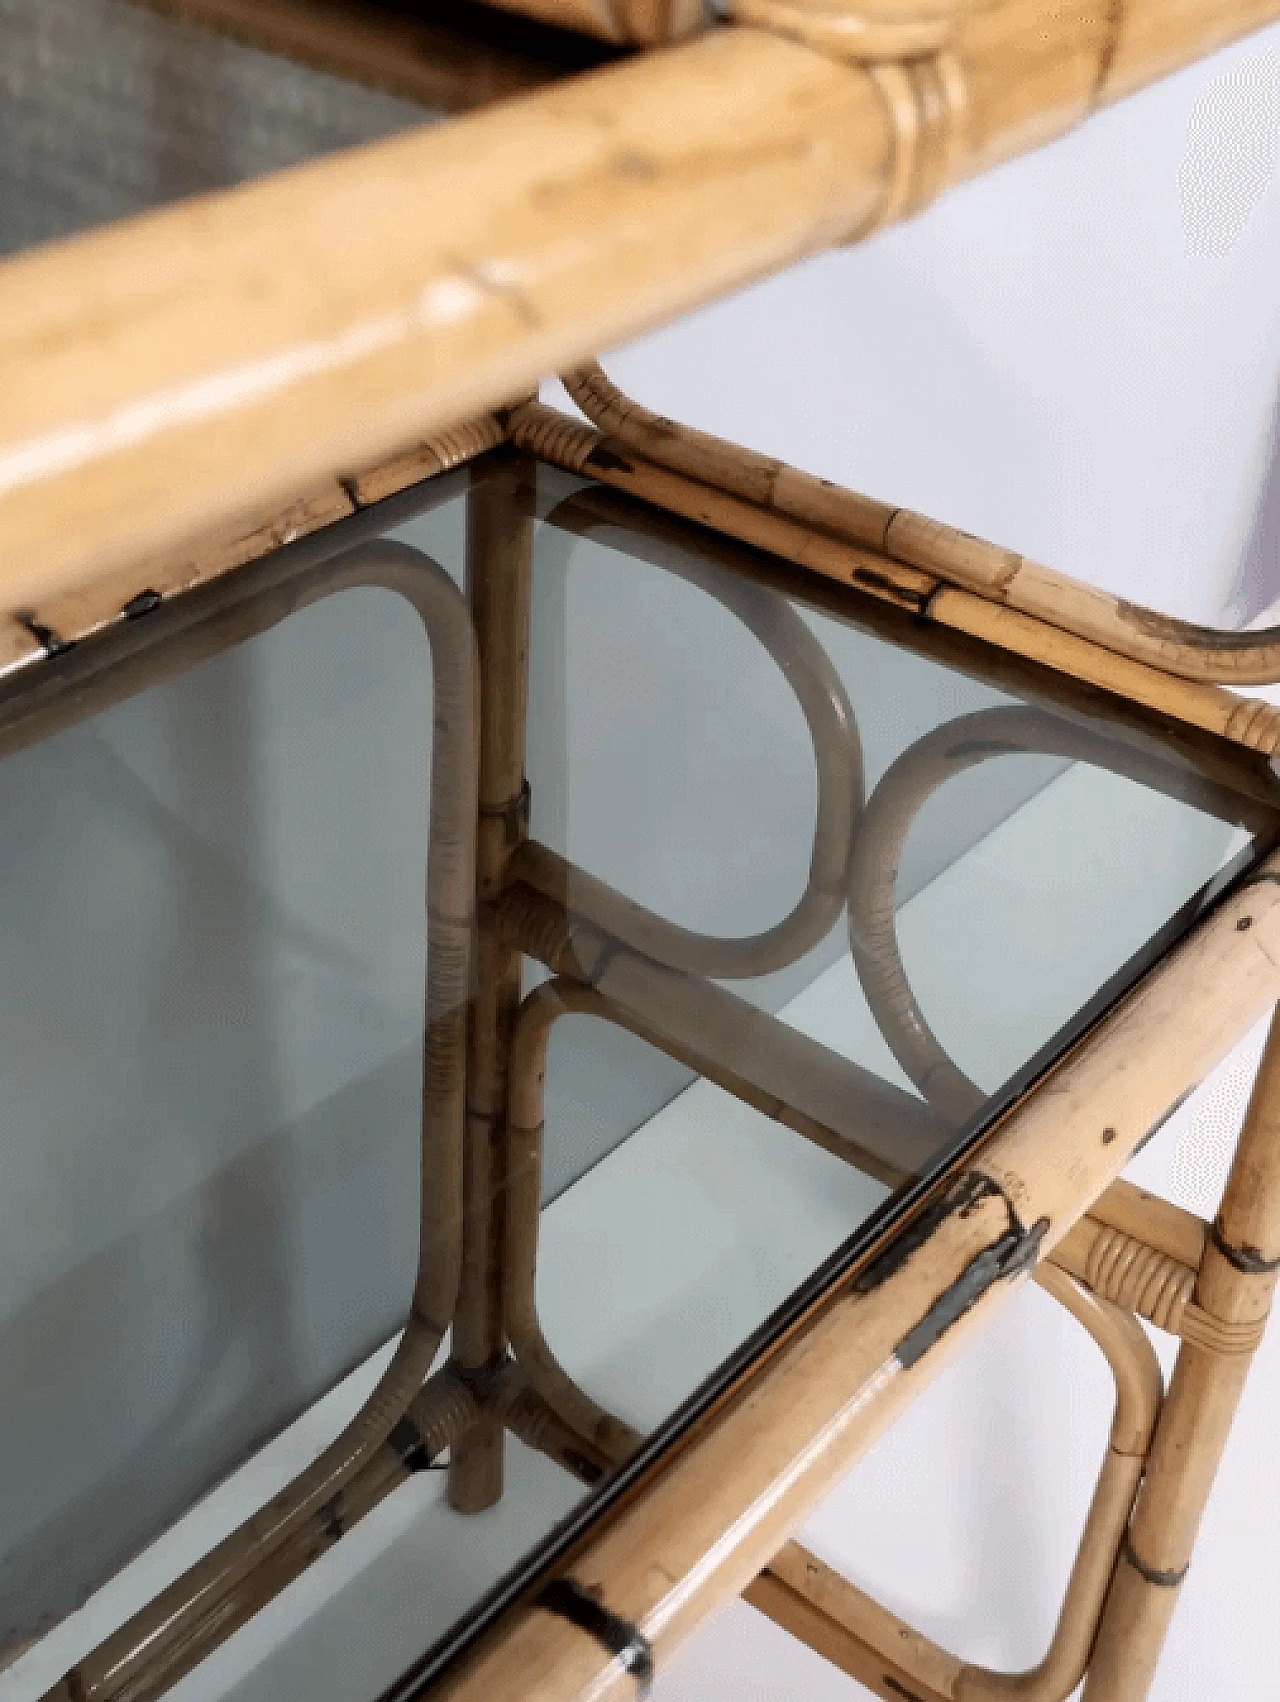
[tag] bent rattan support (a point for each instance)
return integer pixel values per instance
(900, 794)
(499, 555)
(997, 575)
(585, 450)
(848, 1627)
(828, 714)
(175, 1630)
(882, 1130)
(531, 1034)
(538, 1014)
(611, 1436)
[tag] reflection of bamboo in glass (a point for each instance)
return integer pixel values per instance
(896, 802)
(880, 1129)
(838, 764)
(744, 1051)
(169, 1635)
(901, 793)
(499, 573)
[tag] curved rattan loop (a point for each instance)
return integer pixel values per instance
(1139, 1394)
(838, 756)
(901, 793)
(160, 1638)
(523, 1208)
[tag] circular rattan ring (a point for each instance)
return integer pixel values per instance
(893, 806)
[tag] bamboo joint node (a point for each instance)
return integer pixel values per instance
(904, 49)
(1255, 723)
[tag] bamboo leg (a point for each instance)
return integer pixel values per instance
(850, 1629)
(499, 570)
(1236, 1279)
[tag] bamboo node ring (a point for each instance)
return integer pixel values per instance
(905, 51)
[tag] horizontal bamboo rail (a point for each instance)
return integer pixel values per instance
(174, 373)
(584, 449)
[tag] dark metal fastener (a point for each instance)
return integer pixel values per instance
(624, 1641)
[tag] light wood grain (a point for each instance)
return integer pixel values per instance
(808, 543)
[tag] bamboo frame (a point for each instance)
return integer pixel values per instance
(499, 579)
(583, 450)
(619, 962)
(723, 1506)
(411, 56)
(946, 557)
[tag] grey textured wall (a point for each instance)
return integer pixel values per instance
(107, 109)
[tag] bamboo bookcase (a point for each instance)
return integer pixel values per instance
(729, 153)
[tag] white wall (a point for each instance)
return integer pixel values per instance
(1078, 356)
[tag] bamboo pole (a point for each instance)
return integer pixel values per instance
(725, 1504)
(499, 584)
(557, 224)
(1203, 769)
(997, 575)
(1235, 1285)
